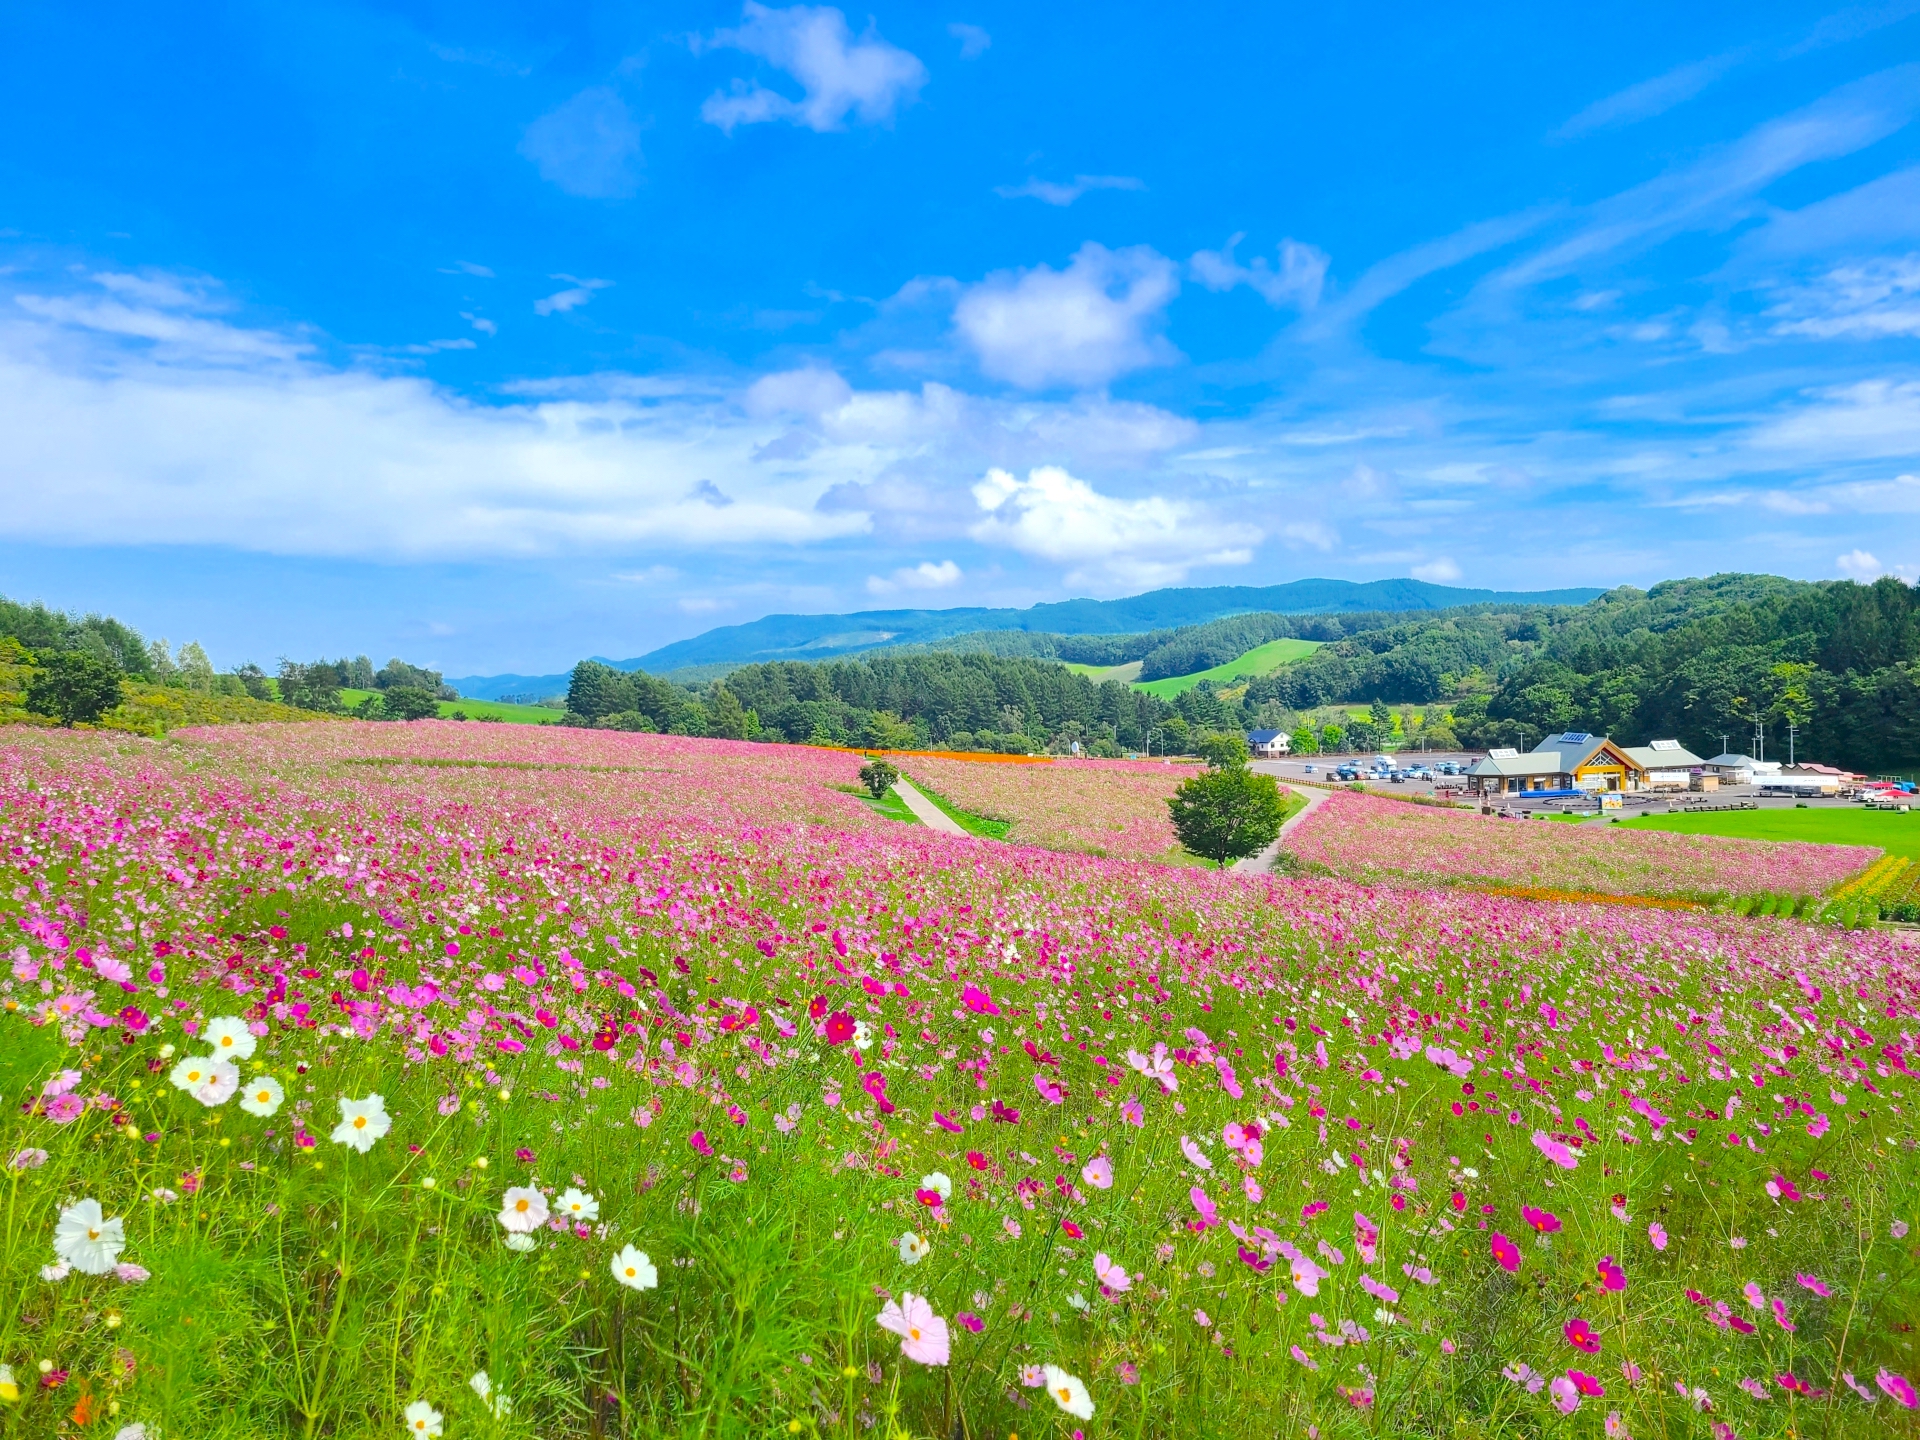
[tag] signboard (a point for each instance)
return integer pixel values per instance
(1611, 800)
(1589, 782)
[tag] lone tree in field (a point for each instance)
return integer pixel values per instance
(74, 686)
(409, 702)
(878, 776)
(1227, 814)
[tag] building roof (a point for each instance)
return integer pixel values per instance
(1514, 764)
(1662, 755)
(1731, 761)
(1261, 737)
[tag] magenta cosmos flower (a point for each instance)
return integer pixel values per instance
(1544, 1222)
(1612, 1277)
(1580, 1335)
(1506, 1252)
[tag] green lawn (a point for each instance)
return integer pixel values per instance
(968, 821)
(474, 709)
(1893, 832)
(1261, 660)
(1126, 674)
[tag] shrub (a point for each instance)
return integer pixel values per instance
(879, 777)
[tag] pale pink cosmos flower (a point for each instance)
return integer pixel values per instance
(1816, 1285)
(1098, 1172)
(1565, 1394)
(1110, 1275)
(1556, 1152)
(1657, 1234)
(1756, 1297)
(923, 1334)
(1194, 1154)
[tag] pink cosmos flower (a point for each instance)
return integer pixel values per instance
(1544, 1222)
(1780, 1315)
(1580, 1335)
(1657, 1235)
(1109, 1274)
(1756, 1297)
(698, 1140)
(1616, 1428)
(1586, 1384)
(1816, 1285)
(923, 1334)
(967, 1320)
(839, 1028)
(1209, 1215)
(1897, 1387)
(1194, 1154)
(1050, 1091)
(1612, 1277)
(63, 1109)
(1556, 1152)
(1565, 1394)
(1506, 1252)
(1305, 1359)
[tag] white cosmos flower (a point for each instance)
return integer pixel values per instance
(361, 1123)
(482, 1385)
(1069, 1393)
(862, 1035)
(913, 1249)
(578, 1205)
(523, 1243)
(229, 1038)
(191, 1073)
(633, 1269)
(221, 1085)
(523, 1210)
(9, 1387)
(939, 1182)
(87, 1240)
(263, 1096)
(423, 1419)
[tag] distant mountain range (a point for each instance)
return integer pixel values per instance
(821, 637)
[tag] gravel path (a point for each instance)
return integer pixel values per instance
(928, 813)
(1263, 862)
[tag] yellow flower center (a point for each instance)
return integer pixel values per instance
(92, 1234)
(359, 1122)
(226, 1040)
(520, 1205)
(913, 1332)
(262, 1096)
(1064, 1393)
(631, 1272)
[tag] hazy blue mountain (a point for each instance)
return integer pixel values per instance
(819, 637)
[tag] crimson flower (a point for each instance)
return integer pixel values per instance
(1544, 1222)
(1586, 1384)
(839, 1028)
(1580, 1335)
(1612, 1277)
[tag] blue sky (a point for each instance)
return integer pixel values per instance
(498, 335)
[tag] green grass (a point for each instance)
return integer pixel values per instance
(474, 709)
(968, 821)
(1126, 674)
(1261, 660)
(888, 807)
(1893, 832)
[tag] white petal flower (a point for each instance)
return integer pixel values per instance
(9, 1387)
(578, 1205)
(361, 1123)
(423, 1419)
(191, 1073)
(229, 1038)
(221, 1085)
(87, 1240)
(1069, 1393)
(939, 1183)
(482, 1385)
(633, 1269)
(263, 1096)
(523, 1210)
(913, 1249)
(522, 1243)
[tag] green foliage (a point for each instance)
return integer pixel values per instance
(597, 693)
(1223, 750)
(314, 687)
(878, 776)
(1303, 741)
(75, 687)
(1227, 814)
(409, 702)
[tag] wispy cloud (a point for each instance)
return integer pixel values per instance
(1049, 192)
(578, 293)
(1298, 280)
(974, 42)
(927, 575)
(840, 76)
(1649, 97)
(589, 146)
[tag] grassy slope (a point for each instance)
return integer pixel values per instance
(1895, 833)
(475, 709)
(1261, 660)
(1126, 674)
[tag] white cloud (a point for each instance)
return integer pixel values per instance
(1442, 571)
(480, 323)
(1049, 192)
(1861, 565)
(866, 78)
(924, 576)
(1865, 300)
(973, 40)
(1871, 419)
(1081, 326)
(808, 392)
(1150, 541)
(1298, 282)
(578, 293)
(1649, 97)
(590, 146)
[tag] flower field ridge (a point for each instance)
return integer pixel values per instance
(1094, 807)
(377, 1081)
(1372, 837)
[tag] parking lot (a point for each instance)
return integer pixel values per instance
(1420, 774)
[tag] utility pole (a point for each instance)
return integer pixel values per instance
(1790, 730)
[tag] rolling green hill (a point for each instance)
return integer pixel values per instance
(1261, 660)
(1126, 674)
(475, 709)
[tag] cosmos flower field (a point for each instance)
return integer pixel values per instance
(429, 1080)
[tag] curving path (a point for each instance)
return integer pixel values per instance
(1263, 862)
(924, 810)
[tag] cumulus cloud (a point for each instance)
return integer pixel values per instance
(590, 146)
(577, 293)
(1049, 192)
(808, 392)
(1103, 538)
(1081, 326)
(1298, 281)
(839, 76)
(1442, 571)
(924, 576)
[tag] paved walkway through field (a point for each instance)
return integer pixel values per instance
(1263, 862)
(924, 810)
